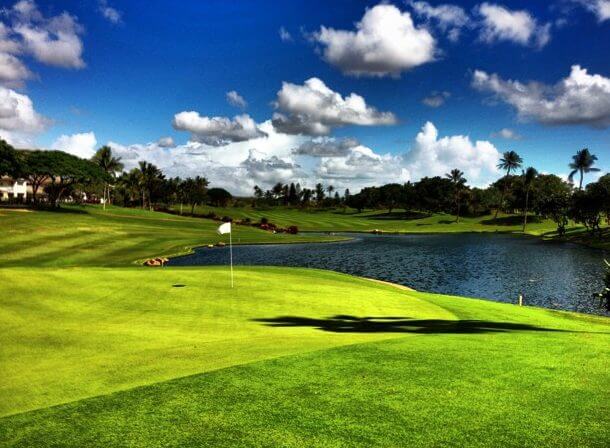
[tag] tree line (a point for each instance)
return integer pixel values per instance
(520, 191)
(527, 193)
(60, 176)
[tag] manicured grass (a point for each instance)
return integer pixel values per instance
(348, 220)
(340, 220)
(89, 236)
(290, 357)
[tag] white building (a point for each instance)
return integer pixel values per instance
(14, 189)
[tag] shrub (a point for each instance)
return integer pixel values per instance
(264, 220)
(293, 230)
(227, 219)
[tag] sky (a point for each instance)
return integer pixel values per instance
(347, 93)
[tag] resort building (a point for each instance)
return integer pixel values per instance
(14, 190)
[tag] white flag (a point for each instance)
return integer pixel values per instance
(224, 228)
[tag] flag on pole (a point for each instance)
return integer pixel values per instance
(226, 228)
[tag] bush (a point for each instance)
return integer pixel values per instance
(227, 219)
(264, 220)
(293, 230)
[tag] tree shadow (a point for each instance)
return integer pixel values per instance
(511, 220)
(353, 324)
(399, 215)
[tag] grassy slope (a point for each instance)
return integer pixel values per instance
(448, 371)
(88, 236)
(340, 220)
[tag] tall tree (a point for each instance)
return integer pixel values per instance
(510, 161)
(457, 179)
(150, 178)
(582, 162)
(529, 176)
(110, 165)
(319, 193)
(9, 162)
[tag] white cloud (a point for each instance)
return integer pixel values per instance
(166, 142)
(601, 8)
(436, 99)
(235, 99)
(238, 166)
(81, 145)
(507, 134)
(12, 70)
(53, 41)
(8, 43)
(326, 147)
(217, 131)
(361, 167)
(19, 122)
(265, 161)
(285, 35)
(581, 98)
(386, 42)
(111, 14)
(315, 109)
(499, 23)
(449, 18)
(434, 156)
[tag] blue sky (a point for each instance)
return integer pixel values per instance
(142, 63)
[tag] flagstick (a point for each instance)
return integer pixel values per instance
(231, 254)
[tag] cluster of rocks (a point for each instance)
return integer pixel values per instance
(159, 261)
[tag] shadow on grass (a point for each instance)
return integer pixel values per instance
(353, 324)
(511, 220)
(399, 216)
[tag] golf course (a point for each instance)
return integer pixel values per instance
(97, 350)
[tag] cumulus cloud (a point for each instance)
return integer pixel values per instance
(436, 99)
(361, 167)
(269, 171)
(450, 19)
(386, 42)
(111, 14)
(53, 41)
(235, 99)
(19, 122)
(166, 142)
(507, 134)
(326, 147)
(601, 8)
(217, 131)
(579, 99)
(315, 109)
(434, 156)
(499, 23)
(12, 71)
(285, 35)
(81, 145)
(227, 166)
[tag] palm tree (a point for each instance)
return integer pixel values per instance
(110, 164)
(583, 162)
(457, 179)
(149, 177)
(529, 176)
(510, 161)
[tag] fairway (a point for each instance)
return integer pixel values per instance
(96, 351)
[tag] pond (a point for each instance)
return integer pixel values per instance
(491, 266)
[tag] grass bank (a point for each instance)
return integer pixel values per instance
(349, 220)
(89, 236)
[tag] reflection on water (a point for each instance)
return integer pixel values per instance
(492, 266)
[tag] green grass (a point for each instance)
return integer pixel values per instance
(89, 236)
(96, 351)
(340, 220)
(109, 357)
(349, 220)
